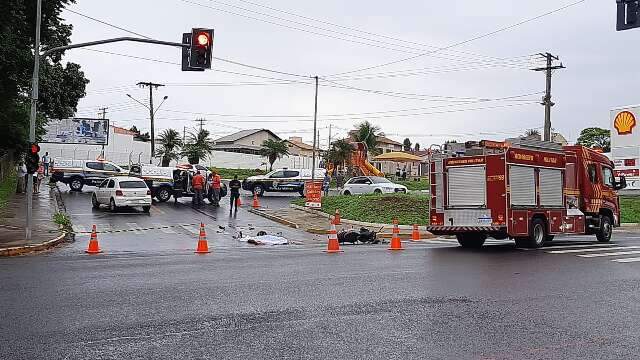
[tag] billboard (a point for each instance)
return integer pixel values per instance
(625, 144)
(77, 131)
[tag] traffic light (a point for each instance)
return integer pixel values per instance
(201, 47)
(628, 13)
(32, 160)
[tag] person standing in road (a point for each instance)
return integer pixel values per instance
(234, 189)
(198, 182)
(216, 184)
(326, 183)
(45, 161)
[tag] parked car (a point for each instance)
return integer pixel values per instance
(372, 185)
(281, 180)
(122, 191)
(78, 173)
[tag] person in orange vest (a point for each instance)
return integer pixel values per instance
(216, 184)
(198, 182)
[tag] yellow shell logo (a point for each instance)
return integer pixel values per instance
(624, 123)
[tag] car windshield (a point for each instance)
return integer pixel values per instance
(132, 185)
(379, 180)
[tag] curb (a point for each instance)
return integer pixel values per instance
(628, 225)
(350, 222)
(274, 218)
(22, 250)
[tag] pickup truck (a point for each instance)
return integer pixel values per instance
(78, 173)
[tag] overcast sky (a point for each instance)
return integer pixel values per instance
(601, 65)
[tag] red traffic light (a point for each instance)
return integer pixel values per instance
(35, 148)
(203, 39)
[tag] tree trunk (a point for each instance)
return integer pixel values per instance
(165, 161)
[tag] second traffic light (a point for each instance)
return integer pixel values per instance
(32, 160)
(201, 47)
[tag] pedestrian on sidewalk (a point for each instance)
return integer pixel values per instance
(39, 176)
(234, 189)
(326, 183)
(339, 179)
(21, 172)
(198, 182)
(216, 185)
(45, 160)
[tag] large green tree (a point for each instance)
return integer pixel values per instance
(340, 153)
(198, 146)
(406, 144)
(274, 150)
(61, 85)
(595, 137)
(368, 133)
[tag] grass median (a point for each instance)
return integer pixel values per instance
(7, 189)
(630, 209)
(408, 209)
(227, 173)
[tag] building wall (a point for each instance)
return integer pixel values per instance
(256, 139)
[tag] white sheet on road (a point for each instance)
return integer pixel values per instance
(265, 240)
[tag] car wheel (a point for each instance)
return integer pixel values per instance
(471, 240)
(604, 233)
(146, 209)
(112, 205)
(163, 194)
(258, 190)
(94, 202)
(346, 193)
(76, 184)
(377, 191)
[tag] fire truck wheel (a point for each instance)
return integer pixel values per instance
(604, 233)
(471, 240)
(538, 233)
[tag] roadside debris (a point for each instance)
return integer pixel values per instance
(364, 236)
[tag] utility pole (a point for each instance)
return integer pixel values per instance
(151, 115)
(546, 101)
(329, 146)
(315, 129)
(103, 110)
(201, 121)
(184, 134)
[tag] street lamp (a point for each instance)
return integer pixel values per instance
(152, 114)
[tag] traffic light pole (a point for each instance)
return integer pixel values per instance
(34, 92)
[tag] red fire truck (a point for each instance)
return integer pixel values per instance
(528, 191)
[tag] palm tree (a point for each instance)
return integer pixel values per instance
(170, 143)
(340, 152)
(368, 133)
(197, 147)
(532, 133)
(274, 150)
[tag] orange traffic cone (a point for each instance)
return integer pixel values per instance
(256, 203)
(203, 245)
(238, 202)
(395, 238)
(415, 235)
(336, 218)
(94, 247)
(333, 246)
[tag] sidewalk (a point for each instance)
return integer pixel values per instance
(13, 222)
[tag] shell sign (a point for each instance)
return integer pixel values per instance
(624, 122)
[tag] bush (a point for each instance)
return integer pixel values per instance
(227, 173)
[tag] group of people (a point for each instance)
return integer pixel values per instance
(38, 176)
(402, 174)
(214, 184)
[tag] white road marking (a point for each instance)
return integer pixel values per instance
(593, 249)
(627, 260)
(191, 229)
(134, 228)
(619, 253)
(163, 228)
(577, 246)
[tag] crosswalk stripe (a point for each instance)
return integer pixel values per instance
(577, 246)
(619, 253)
(627, 260)
(593, 250)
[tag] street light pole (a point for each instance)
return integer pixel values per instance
(32, 117)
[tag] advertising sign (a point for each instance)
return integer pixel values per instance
(313, 194)
(77, 131)
(625, 144)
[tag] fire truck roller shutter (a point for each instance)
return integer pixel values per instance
(439, 187)
(467, 186)
(551, 188)
(522, 183)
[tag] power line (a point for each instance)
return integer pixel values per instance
(106, 23)
(482, 36)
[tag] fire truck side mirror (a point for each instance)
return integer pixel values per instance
(619, 185)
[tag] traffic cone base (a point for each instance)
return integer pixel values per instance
(94, 247)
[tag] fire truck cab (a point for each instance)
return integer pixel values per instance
(524, 190)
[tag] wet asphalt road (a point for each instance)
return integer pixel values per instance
(431, 301)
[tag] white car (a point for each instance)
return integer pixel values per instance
(371, 185)
(122, 191)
